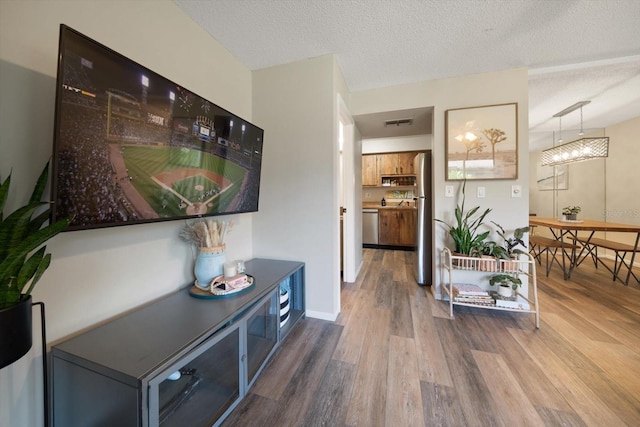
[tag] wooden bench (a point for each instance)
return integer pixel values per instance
(620, 249)
(539, 245)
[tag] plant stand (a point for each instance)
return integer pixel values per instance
(18, 341)
(520, 267)
(45, 371)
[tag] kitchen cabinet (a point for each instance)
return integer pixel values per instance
(386, 169)
(370, 174)
(405, 163)
(388, 164)
(397, 226)
(396, 163)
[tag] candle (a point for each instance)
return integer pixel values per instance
(230, 269)
(240, 266)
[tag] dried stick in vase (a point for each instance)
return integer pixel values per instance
(213, 232)
(223, 230)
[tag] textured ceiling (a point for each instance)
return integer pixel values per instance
(575, 50)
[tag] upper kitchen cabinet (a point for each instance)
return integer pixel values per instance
(370, 174)
(396, 163)
(405, 163)
(389, 169)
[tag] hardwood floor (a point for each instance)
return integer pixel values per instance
(395, 358)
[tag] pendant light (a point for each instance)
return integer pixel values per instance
(575, 151)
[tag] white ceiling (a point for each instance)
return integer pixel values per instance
(575, 50)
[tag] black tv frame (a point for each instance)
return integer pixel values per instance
(131, 146)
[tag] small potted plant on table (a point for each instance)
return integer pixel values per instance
(571, 212)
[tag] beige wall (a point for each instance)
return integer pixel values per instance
(100, 273)
(299, 202)
(623, 173)
(401, 143)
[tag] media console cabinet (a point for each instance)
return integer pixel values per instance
(179, 361)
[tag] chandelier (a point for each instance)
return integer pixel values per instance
(578, 150)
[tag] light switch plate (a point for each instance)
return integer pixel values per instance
(448, 191)
(481, 192)
(516, 191)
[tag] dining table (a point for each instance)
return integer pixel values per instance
(566, 232)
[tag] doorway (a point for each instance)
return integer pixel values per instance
(350, 200)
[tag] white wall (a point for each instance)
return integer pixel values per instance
(466, 91)
(299, 216)
(98, 274)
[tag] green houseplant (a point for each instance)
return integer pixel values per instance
(465, 231)
(510, 243)
(507, 283)
(490, 250)
(571, 212)
(23, 260)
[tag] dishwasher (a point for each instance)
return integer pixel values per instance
(370, 226)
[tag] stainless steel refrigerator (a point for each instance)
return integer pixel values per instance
(424, 226)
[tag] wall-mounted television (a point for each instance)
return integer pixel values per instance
(131, 146)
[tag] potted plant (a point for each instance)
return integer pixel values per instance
(507, 284)
(510, 243)
(571, 212)
(490, 250)
(464, 231)
(23, 260)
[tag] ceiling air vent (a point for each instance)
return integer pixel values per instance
(398, 122)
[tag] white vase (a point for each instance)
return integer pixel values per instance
(209, 265)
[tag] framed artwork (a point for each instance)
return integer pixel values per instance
(552, 177)
(482, 142)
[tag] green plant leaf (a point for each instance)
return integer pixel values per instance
(37, 222)
(16, 254)
(41, 184)
(20, 235)
(9, 295)
(14, 228)
(42, 266)
(4, 193)
(29, 267)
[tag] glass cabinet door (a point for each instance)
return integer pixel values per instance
(262, 334)
(198, 389)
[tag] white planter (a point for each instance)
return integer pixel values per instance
(505, 291)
